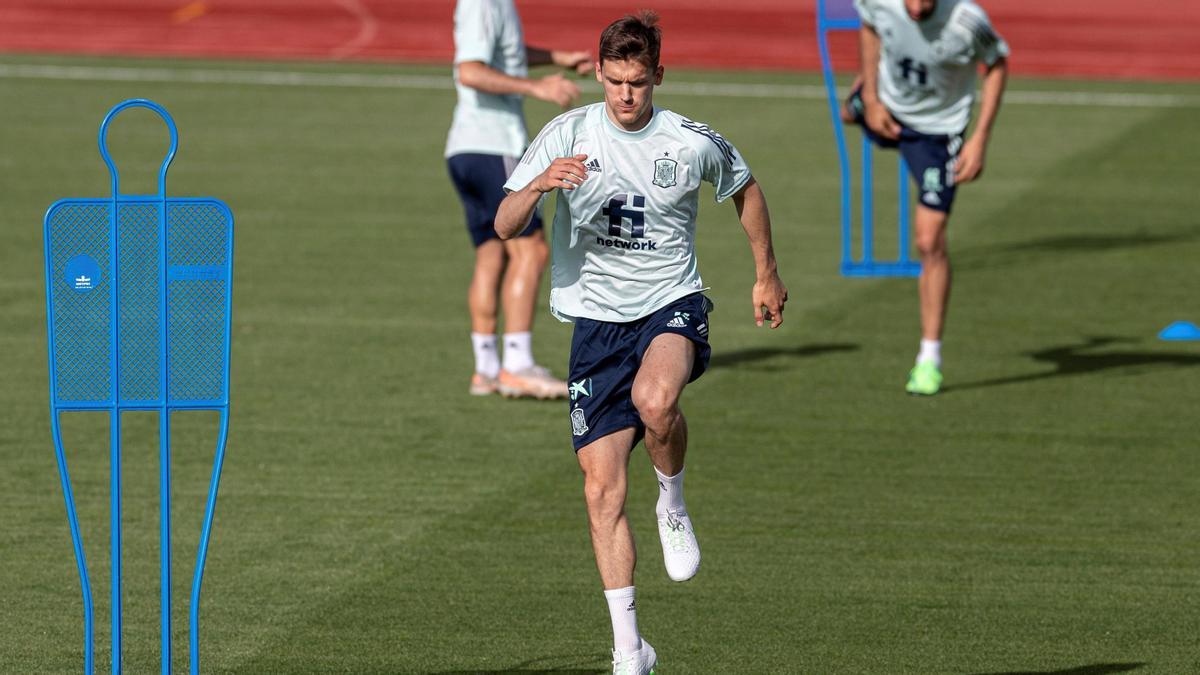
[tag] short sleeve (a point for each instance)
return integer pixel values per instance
(720, 163)
(547, 147)
(866, 13)
(986, 46)
(475, 31)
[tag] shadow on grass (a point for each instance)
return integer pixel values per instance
(988, 257)
(561, 664)
(1097, 669)
(556, 671)
(727, 359)
(1088, 243)
(1072, 360)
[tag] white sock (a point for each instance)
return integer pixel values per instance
(670, 492)
(623, 609)
(487, 362)
(518, 351)
(931, 350)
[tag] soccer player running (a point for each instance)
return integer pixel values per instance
(624, 271)
(915, 92)
(486, 139)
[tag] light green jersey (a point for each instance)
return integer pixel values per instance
(494, 124)
(624, 241)
(927, 68)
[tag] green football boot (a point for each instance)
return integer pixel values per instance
(924, 379)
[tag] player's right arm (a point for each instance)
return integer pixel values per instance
(515, 212)
(875, 113)
(476, 36)
(768, 294)
(552, 88)
(580, 62)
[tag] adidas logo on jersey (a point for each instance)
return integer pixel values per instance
(593, 165)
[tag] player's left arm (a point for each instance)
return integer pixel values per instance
(769, 293)
(580, 62)
(970, 161)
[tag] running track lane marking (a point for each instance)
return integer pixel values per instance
(297, 78)
(368, 28)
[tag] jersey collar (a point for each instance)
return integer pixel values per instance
(621, 134)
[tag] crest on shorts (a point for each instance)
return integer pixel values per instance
(579, 425)
(932, 180)
(664, 172)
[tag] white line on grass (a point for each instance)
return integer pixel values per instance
(299, 78)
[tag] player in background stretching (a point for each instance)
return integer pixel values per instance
(915, 92)
(486, 139)
(624, 271)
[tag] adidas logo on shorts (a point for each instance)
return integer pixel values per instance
(680, 320)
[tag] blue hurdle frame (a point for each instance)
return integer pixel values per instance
(867, 266)
(116, 403)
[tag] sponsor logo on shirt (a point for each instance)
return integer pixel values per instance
(640, 245)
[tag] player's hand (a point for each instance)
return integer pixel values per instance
(567, 173)
(881, 121)
(969, 164)
(556, 89)
(768, 297)
(580, 62)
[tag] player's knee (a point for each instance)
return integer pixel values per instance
(655, 406)
(931, 245)
(605, 495)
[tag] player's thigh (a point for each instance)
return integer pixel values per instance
(665, 370)
(931, 161)
(606, 459)
(929, 229)
(489, 259)
(529, 247)
(600, 377)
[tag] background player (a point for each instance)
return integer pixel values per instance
(915, 93)
(486, 139)
(625, 273)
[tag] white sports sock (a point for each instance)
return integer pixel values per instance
(487, 361)
(670, 492)
(931, 350)
(518, 351)
(623, 609)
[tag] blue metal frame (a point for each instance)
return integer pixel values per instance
(115, 403)
(867, 266)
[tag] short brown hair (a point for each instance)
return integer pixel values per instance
(633, 38)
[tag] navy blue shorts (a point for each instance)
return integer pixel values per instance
(605, 358)
(479, 180)
(930, 157)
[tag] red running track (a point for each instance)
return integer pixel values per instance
(1077, 38)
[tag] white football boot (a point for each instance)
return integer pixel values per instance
(640, 662)
(681, 553)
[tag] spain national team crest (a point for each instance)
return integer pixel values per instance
(579, 425)
(664, 172)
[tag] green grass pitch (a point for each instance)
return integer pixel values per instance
(1037, 517)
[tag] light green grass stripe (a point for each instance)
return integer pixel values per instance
(285, 78)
